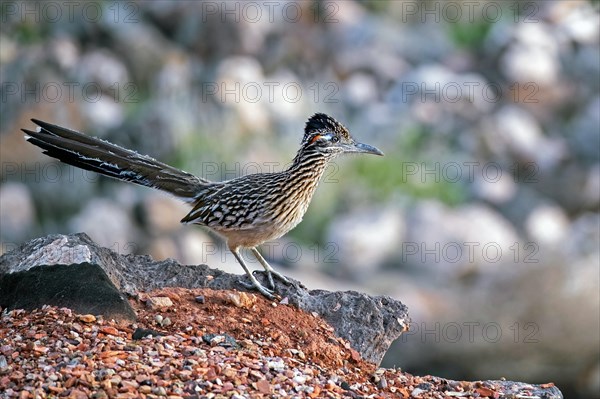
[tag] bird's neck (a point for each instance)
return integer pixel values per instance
(301, 181)
(310, 164)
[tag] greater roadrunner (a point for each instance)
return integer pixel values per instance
(246, 211)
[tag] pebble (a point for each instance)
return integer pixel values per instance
(159, 302)
(263, 386)
(87, 318)
(382, 383)
(242, 299)
(109, 330)
(223, 340)
(299, 379)
(277, 365)
(140, 333)
(145, 389)
(101, 394)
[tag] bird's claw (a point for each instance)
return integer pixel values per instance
(255, 285)
(270, 274)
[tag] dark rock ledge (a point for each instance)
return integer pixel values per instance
(72, 271)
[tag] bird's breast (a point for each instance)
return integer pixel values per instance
(289, 209)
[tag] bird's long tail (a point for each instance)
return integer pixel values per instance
(100, 156)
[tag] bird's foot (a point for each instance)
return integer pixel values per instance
(255, 285)
(270, 278)
(279, 276)
(270, 273)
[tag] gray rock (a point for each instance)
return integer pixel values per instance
(533, 56)
(239, 75)
(583, 236)
(591, 192)
(584, 140)
(577, 21)
(361, 89)
(498, 191)
(108, 223)
(515, 132)
(83, 287)
(523, 390)
(103, 67)
(547, 225)
(370, 324)
(57, 270)
(365, 239)
(162, 213)
(451, 241)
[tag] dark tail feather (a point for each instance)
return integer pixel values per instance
(100, 156)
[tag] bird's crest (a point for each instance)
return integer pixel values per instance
(322, 123)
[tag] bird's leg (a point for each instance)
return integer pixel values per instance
(270, 271)
(255, 284)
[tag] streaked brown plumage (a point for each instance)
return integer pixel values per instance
(246, 211)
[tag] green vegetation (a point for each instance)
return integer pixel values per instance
(469, 35)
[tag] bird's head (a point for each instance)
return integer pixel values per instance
(328, 136)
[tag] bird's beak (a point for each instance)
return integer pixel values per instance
(363, 148)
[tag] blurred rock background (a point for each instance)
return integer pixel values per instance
(483, 217)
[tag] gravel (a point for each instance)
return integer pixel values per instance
(210, 350)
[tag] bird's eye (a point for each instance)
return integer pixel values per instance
(335, 139)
